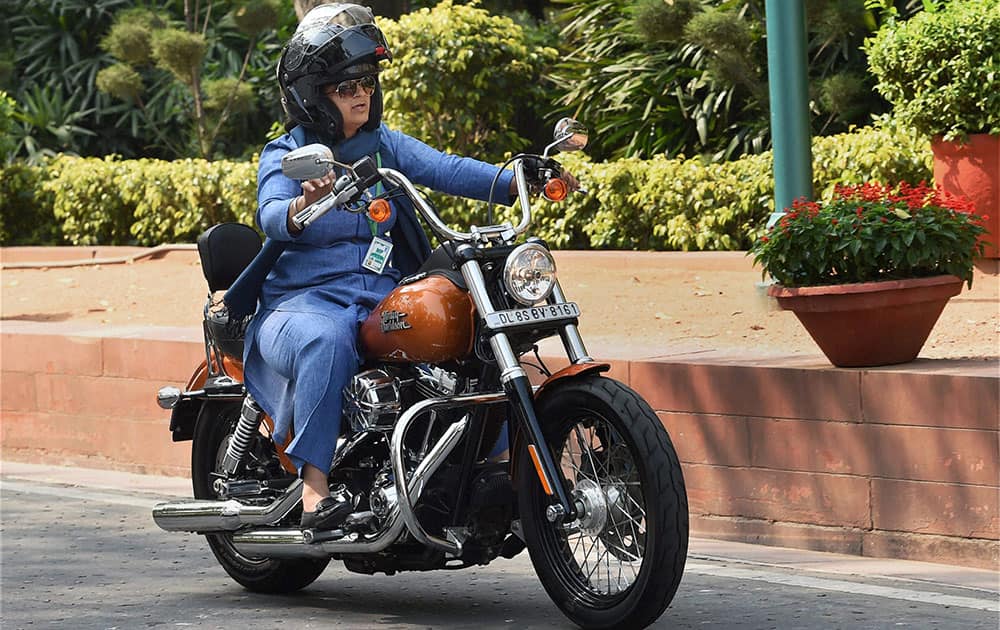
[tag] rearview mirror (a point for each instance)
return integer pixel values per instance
(570, 135)
(309, 162)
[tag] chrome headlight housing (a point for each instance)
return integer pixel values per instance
(529, 274)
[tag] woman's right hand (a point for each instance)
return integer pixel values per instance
(312, 191)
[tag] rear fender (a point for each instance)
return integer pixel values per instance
(184, 415)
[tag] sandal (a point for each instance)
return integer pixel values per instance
(329, 514)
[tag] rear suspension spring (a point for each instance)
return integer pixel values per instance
(246, 428)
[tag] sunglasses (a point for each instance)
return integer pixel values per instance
(349, 89)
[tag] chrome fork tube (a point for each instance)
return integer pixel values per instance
(569, 333)
(518, 388)
(510, 367)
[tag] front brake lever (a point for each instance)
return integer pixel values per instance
(347, 189)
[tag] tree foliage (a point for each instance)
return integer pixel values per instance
(124, 77)
(690, 76)
(940, 69)
(460, 78)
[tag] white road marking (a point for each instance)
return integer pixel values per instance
(843, 586)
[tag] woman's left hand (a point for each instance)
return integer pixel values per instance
(572, 183)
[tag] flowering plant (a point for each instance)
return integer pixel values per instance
(872, 232)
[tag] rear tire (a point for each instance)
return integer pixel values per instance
(262, 575)
(620, 563)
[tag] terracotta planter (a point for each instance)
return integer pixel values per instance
(973, 170)
(871, 323)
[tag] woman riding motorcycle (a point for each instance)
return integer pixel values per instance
(300, 347)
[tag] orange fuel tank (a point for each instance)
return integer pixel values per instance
(428, 320)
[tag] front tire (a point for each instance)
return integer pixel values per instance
(262, 575)
(620, 563)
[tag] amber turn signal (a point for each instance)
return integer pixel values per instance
(379, 210)
(555, 189)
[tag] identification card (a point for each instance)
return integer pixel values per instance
(378, 255)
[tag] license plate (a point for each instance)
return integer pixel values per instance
(533, 315)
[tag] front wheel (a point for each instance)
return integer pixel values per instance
(263, 575)
(619, 564)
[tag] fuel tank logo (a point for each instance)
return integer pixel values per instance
(393, 320)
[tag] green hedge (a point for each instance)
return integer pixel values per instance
(147, 202)
(26, 216)
(684, 204)
(658, 204)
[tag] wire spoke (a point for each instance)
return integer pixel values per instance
(606, 561)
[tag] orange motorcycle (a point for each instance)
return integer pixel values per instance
(590, 484)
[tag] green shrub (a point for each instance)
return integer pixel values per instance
(460, 78)
(87, 200)
(678, 204)
(657, 204)
(26, 216)
(148, 202)
(939, 69)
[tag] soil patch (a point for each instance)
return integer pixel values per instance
(633, 303)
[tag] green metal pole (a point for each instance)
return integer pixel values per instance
(788, 85)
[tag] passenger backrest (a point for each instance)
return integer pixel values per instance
(225, 250)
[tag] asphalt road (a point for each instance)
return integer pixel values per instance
(89, 558)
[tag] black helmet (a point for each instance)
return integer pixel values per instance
(334, 43)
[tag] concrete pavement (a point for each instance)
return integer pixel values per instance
(146, 490)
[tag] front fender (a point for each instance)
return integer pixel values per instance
(577, 369)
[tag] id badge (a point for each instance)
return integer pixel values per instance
(378, 255)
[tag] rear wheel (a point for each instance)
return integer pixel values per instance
(619, 564)
(216, 424)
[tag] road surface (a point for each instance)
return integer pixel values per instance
(78, 556)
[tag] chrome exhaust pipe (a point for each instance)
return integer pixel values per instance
(224, 516)
(290, 543)
(268, 542)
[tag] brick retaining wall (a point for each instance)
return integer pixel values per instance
(891, 462)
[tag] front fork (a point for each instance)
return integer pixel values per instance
(518, 389)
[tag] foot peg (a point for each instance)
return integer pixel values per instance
(363, 522)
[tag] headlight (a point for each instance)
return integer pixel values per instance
(529, 274)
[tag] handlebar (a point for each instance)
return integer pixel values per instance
(349, 187)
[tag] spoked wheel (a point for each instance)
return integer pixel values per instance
(620, 562)
(263, 575)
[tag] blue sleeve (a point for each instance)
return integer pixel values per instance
(451, 174)
(274, 190)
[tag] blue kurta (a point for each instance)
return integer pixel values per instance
(300, 347)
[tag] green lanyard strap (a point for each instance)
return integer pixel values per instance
(378, 191)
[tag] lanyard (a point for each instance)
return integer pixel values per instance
(378, 191)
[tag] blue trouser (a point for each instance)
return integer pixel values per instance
(316, 355)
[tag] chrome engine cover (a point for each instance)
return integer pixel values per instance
(371, 401)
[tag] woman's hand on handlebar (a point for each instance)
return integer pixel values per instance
(572, 183)
(312, 191)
